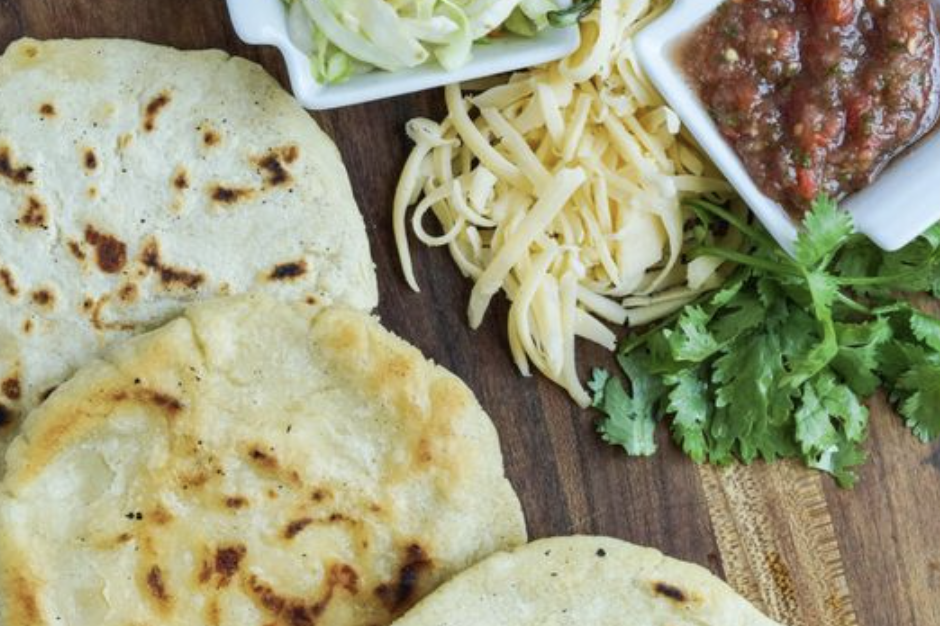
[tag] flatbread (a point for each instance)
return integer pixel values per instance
(584, 581)
(136, 178)
(247, 464)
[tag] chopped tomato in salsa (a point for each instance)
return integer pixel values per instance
(818, 96)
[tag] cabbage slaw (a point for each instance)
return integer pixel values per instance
(348, 37)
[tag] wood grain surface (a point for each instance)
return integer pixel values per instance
(805, 551)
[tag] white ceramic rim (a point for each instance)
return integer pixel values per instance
(264, 22)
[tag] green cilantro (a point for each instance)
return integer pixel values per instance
(920, 387)
(688, 402)
(779, 362)
(825, 229)
(691, 341)
(631, 420)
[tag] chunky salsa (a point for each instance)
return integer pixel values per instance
(818, 96)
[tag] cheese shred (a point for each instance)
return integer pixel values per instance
(563, 188)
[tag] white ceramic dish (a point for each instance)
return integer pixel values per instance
(264, 22)
(902, 203)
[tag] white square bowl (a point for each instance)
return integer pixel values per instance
(264, 22)
(900, 205)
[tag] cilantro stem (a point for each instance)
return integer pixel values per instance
(852, 304)
(897, 280)
(735, 221)
(747, 260)
(636, 342)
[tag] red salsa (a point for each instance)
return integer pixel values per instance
(818, 96)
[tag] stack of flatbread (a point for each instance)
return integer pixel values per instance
(135, 179)
(207, 425)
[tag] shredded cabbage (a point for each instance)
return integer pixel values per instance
(346, 37)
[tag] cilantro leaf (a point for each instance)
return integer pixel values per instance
(840, 461)
(630, 421)
(815, 431)
(850, 415)
(897, 357)
(927, 329)
(597, 385)
(825, 229)
(749, 399)
(823, 289)
(919, 408)
(744, 313)
(691, 341)
(860, 346)
(691, 405)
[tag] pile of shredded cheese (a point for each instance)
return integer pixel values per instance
(563, 188)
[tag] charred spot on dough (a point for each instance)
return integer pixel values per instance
(157, 104)
(163, 401)
(229, 195)
(44, 298)
(291, 153)
(90, 160)
(16, 174)
(166, 402)
(110, 252)
(27, 326)
(92, 192)
(319, 495)
(226, 564)
(210, 137)
(399, 594)
(160, 516)
(8, 282)
(47, 110)
(296, 527)
(24, 600)
(423, 453)
(263, 459)
(297, 612)
(156, 586)
(169, 276)
(34, 215)
(272, 166)
(344, 576)
(236, 502)
(205, 572)
(94, 310)
(670, 591)
(194, 480)
(11, 388)
(181, 179)
(288, 271)
(128, 293)
(31, 51)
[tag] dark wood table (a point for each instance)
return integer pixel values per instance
(807, 552)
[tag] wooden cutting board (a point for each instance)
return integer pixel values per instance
(805, 551)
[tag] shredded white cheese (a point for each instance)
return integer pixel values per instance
(563, 188)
